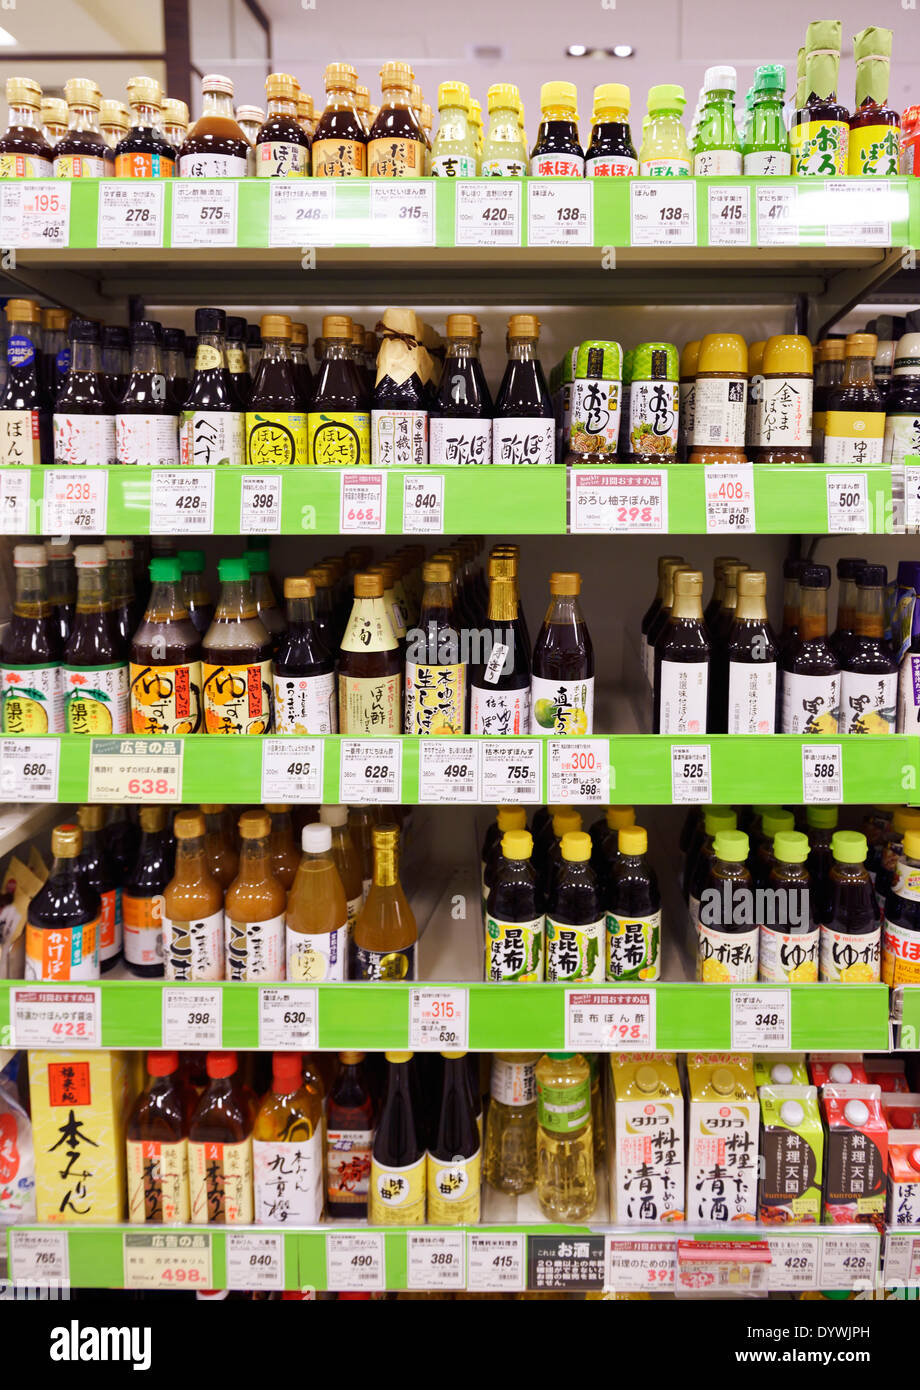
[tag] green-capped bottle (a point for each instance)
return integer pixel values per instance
(654, 403)
(664, 153)
(766, 143)
(566, 1185)
(875, 129)
(594, 425)
(728, 937)
(717, 150)
(822, 126)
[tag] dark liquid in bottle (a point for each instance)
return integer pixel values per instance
(65, 899)
(523, 392)
(24, 391)
(463, 393)
(557, 137)
(350, 1107)
(146, 881)
(610, 140)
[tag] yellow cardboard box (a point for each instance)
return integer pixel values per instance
(79, 1107)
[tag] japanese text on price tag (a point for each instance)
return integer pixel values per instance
(260, 504)
(402, 214)
(512, 771)
(730, 499)
(254, 1261)
(847, 503)
(662, 213)
(370, 770)
(423, 503)
(75, 501)
(14, 502)
(848, 1261)
(610, 1020)
(363, 503)
(436, 1259)
(852, 220)
(39, 1259)
(288, 1019)
(448, 770)
(181, 502)
(560, 214)
(578, 769)
(777, 214)
(730, 216)
(621, 503)
(355, 1263)
(691, 773)
(301, 212)
(51, 1017)
(135, 769)
(192, 1017)
(761, 1020)
(495, 1263)
(902, 1258)
(487, 213)
(292, 770)
(822, 772)
(793, 1262)
(439, 1019)
(35, 214)
(30, 769)
(130, 213)
(204, 214)
(167, 1260)
(640, 1265)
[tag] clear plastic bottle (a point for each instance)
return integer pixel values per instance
(453, 154)
(566, 1185)
(510, 1149)
(557, 152)
(504, 151)
(664, 153)
(766, 143)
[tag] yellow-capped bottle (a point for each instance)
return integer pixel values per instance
(720, 410)
(558, 152)
(515, 920)
(786, 387)
(276, 414)
(453, 154)
(566, 1184)
(611, 153)
(504, 149)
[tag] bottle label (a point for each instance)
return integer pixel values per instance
(854, 436)
(454, 166)
(220, 1182)
(557, 166)
(237, 698)
(395, 159)
(503, 168)
(726, 957)
(81, 166)
(687, 413)
(397, 1195)
(523, 440)
(868, 704)
(789, 957)
(255, 950)
(513, 1083)
(873, 151)
(611, 166)
(752, 697)
(909, 695)
(370, 706)
(194, 950)
(721, 409)
(140, 164)
(399, 438)
(32, 700)
(213, 166)
(497, 712)
(664, 168)
(459, 442)
(84, 440)
(348, 1165)
(165, 699)
(20, 439)
(561, 708)
(514, 950)
(654, 414)
(382, 965)
(595, 416)
(353, 906)
(20, 350)
(575, 954)
(110, 931)
(338, 438)
(906, 882)
(95, 699)
(851, 959)
(900, 945)
(317, 955)
(633, 947)
(784, 417)
(716, 163)
(276, 440)
(684, 697)
(143, 928)
(821, 149)
(305, 704)
(158, 1188)
(288, 1178)
(209, 438)
(338, 159)
(811, 704)
(63, 953)
(563, 1109)
(236, 362)
(454, 1190)
(767, 163)
(902, 437)
(147, 440)
(277, 159)
(25, 166)
(435, 700)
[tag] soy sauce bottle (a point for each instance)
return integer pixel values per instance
(211, 423)
(63, 922)
(25, 418)
(237, 361)
(339, 420)
(147, 420)
(24, 151)
(562, 685)
(142, 895)
(752, 684)
(82, 153)
(524, 427)
(62, 588)
(99, 874)
(84, 412)
(115, 359)
(575, 919)
(396, 144)
(611, 153)
(339, 148)
(557, 152)
(633, 903)
(461, 424)
(304, 668)
(682, 662)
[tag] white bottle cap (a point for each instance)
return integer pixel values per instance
(840, 1074)
(856, 1112)
(24, 556)
(333, 815)
(720, 79)
(316, 839)
(908, 347)
(88, 556)
(792, 1113)
(782, 1074)
(118, 549)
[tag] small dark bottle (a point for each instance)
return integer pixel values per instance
(851, 934)
(276, 425)
(728, 939)
(304, 668)
(562, 685)
(339, 148)
(611, 153)
(83, 152)
(557, 152)
(792, 601)
(62, 929)
(300, 358)
(822, 825)
(62, 589)
(99, 874)
(349, 1139)
(854, 422)
(454, 1149)
(328, 627)
(575, 920)
(145, 153)
(282, 146)
(147, 420)
(869, 676)
(237, 361)
(253, 347)
(25, 416)
(338, 423)
(24, 151)
(84, 412)
(848, 571)
(175, 363)
(121, 838)
(633, 911)
(515, 924)
(682, 663)
(811, 675)
(215, 147)
(399, 1144)
(399, 414)
(156, 1135)
(500, 685)
(750, 677)
(523, 429)
(461, 416)
(198, 600)
(116, 359)
(142, 895)
(211, 429)
(267, 606)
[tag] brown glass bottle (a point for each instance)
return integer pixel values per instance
(361, 822)
(339, 148)
(869, 666)
(193, 919)
(562, 685)
(282, 146)
(145, 153)
(215, 147)
(792, 599)
(237, 361)
(338, 425)
(220, 1147)
(828, 375)
(370, 667)
(682, 662)
(157, 1147)
(236, 659)
(220, 843)
(349, 1139)
(254, 907)
(166, 659)
(95, 671)
(83, 153)
(283, 852)
(396, 144)
(30, 653)
(849, 568)
(62, 587)
(811, 675)
(24, 151)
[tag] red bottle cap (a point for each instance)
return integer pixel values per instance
(162, 1063)
(287, 1072)
(221, 1064)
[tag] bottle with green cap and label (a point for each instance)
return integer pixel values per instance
(236, 656)
(851, 944)
(664, 153)
(633, 911)
(875, 129)
(766, 143)
(774, 820)
(611, 153)
(575, 917)
(515, 923)
(715, 818)
(789, 934)
(594, 426)
(453, 154)
(198, 599)
(654, 403)
(566, 1183)
(717, 149)
(784, 411)
(728, 936)
(822, 126)
(165, 669)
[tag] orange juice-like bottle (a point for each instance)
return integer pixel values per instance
(193, 916)
(254, 907)
(317, 913)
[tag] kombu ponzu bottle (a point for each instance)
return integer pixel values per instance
(514, 914)
(575, 919)
(869, 666)
(633, 911)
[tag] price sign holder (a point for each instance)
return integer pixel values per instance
(512, 771)
(74, 501)
(181, 502)
(254, 1261)
(260, 504)
(822, 772)
(637, 1264)
(130, 212)
(849, 1258)
(847, 504)
(487, 212)
(165, 1259)
(793, 1262)
(49, 1016)
(288, 1018)
(355, 1261)
(362, 502)
(448, 771)
(204, 214)
(192, 1017)
(370, 769)
(610, 1020)
(423, 503)
(435, 1259)
(30, 769)
(729, 215)
(730, 500)
(15, 501)
(402, 213)
(292, 770)
(496, 1262)
(135, 769)
(560, 212)
(578, 770)
(611, 503)
(301, 212)
(662, 212)
(39, 1258)
(902, 1257)
(439, 1019)
(35, 213)
(736, 1266)
(761, 1019)
(691, 773)
(777, 213)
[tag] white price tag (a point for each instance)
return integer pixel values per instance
(15, 496)
(370, 769)
(362, 502)
(625, 504)
(181, 502)
(29, 769)
(691, 773)
(640, 1266)
(164, 1259)
(192, 1017)
(777, 213)
(560, 213)
(578, 770)
(902, 1258)
(822, 772)
(662, 212)
(496, 1263)
(512, 771)
(436, 1259)
(292, 770)
(34, 213)
(852, 218)
(448, 770)
(74, 500)
(204, 214)
(288, 1019)
(848, 1260)
(487, 213)
(135, 769)
(761, 1020)
(260, 504)
(48, 1017)
(730, 215)
(402, 213)
(301, 212)
(254, 1261)
(793, 1263)
(439, 1019)
(730, 499)
(423, 503)
(911, 496)
(130, 213)
(39, 1258)
(847, 503)
(355, 1262)
(610, 1020)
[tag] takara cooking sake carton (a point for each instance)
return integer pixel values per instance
(855, 1154)
(648, 1138)
(79, 1104)
(791, 1148)
(722, 1138)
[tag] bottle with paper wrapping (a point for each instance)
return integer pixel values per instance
(785, 405)
(193, 916)
(720, 407)
(339, 420)
(875, 129)
(399, 413)
(820, 130)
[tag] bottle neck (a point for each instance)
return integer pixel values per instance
(254, 860)
(812, 613)
(436, 596)
(146, 358)
(236, 601)
(85, 357)
(869, 615)
(217, 104)
(143, 115)
(276, 350)
(208, 344)
(31, 599)
(614, 115)
(191, 863)
(92, 589)
(25, 328)
(502, 599)
(121, 580)
(857, 371)
(83, 118)
(299, 611)
(64, 867)
(62, 581)
(751, 608)
(688, 607)
(369, 628)
(337, 350)
(166, 603)
(462, 350)
(27, 116)
(400, 97)
(522, 350)
(386, 866)
(564, 609)
(557, 113)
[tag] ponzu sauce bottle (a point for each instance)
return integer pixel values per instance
(453, 153)
(515, 925)
(82, 153)
(349, 1139)
(436, 678)
(287, 1149)
(397, 147)
(339, 421)
(399, 413)
(64, 917)
(902, 405)
(31, 699)
(254, 908)
(717, 149)
(361, 822)
(95, 670)
(523, 429)
(562, 685)
(198, 600)
(682, 662)
(633, 911)
(317, 913)
(211, 421)
(276, 414)
(455, 1154)
(557, 152)
(282, 147)
(851, 935)
(142, 895)
(398, 1161)
(811, 675)
(460, 420)
(370, 667)
(611, 153)
(504, 150)
(566, 1184)
(236, 659)
(215, 147)
(284, 856)
(25, 419)
(728, 934)
(385, 940)
(300, 359)
(875, 129)
(175, 123)
(575, 918)
(500, 686)
(84, 412)
(765, 147)
(147, 417)
(304, 668)
(99, 873)
(165, 669)
(339, 147)
(854, 421)
(749, 682)
(144, 153)
(193, 918)
(654, 403)
(664, 152)
(157, 1145)
(24, 151)
(268, 608)
(220, 1147)
(237, 361)
(657, 606)
(785, 405)
(790, 937)
(114, 124)
(720, 404)
(869, 666)
(820, 131)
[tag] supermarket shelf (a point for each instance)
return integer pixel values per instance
(802, 500)
(907, 1012)
(23, 822)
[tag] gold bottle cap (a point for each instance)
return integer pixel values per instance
(91, 817)
(144, 91)
(723, 352)
(321, 576)
(755, 356)
(436, 572)
(152, 818)
(337, 326)
(188, 825)
(254, 825)
(363, 95)
(398, 1056)
(368, 585)
(23, 91)
(56, 319)
(281, 86)
(418, 99)
(386, 837)
(370, 343)
(832, 349)
(295, 587)
(861, 345)
(689, 358)
(276, 810)
(523, 326)
(114, 113)
(82, 91)
(357, 335)
(688, 584)
(22, 311)
(299, 335)
(646, 1079)
(564, 583)
(275, 326)
(90, 556)
(752, 584)
(175, 112)
(722, 1081)
(341, 77)
(351, 1058)
(66, 841)
(54, 111)
(212, 809)
(461, 326)
(396, 74)
(575, 846)
(788, 354)
(632, 839)
(216, 82)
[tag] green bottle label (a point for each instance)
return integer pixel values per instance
(575, 954)
(563, 1109)
(514, 950)
(633, 947)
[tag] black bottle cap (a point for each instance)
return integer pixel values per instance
(236, 327)
(84, 331)
(792, 569)
(253, 335)
(114, 336)
(210, 321)
(815, 577)
(146, 331)
(174, 340)
(848, 567)
(872, 577)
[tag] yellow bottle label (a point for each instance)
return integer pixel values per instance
(370, 706)
(435, 700)
(281, 159)
(236, 361)
(166, 699)
(158, 1188)
(207, 358)
(339, 438)
(821, 149)
(276, 439)
(81, 166)
(24, 166)
(338, 159)
(237, 699)
(854, 436)
(220, 1181)
(397, 1195)
(453, 1191)
(874, 151)
(395, 159)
